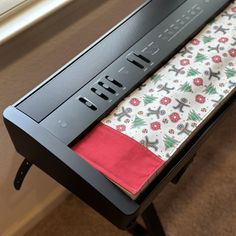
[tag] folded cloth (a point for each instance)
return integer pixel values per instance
(154, 122)
(118, 157)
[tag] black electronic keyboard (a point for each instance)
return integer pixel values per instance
(44, 123)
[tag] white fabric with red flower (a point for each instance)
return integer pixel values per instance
(172, 104)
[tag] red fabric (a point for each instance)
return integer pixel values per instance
(120, 158)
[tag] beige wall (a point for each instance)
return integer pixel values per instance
(25, 61)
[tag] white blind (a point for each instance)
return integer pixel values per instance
(7, 5)
(26, 13)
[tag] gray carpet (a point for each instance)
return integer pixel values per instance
(202, 204)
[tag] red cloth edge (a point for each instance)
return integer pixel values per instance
(105, 149)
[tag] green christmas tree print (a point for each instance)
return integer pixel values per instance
(156, 78)
(230, 72)
(207, 39)
(169, 142)
(200, 57)
(186, 87)
(210, 89)
(147, 99)
(138, 122)
(192, 72)
(194, 116)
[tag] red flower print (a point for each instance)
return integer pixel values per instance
(134, 102)
(195, 41)
(165, 101)
(198, 81)
(233, 9)
(232, 52)
(175, 117)
(155, 125)
(184, 62)
(200, 99)
(223, 40)
(121, 128)
(216, 59)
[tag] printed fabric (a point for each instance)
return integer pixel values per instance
(170, 105)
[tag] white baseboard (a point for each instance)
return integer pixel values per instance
(37, 213)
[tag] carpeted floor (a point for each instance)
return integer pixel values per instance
(202, 204)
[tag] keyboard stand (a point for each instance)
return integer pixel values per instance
(150, 216)
(172, 173)
(43, 130)
(152, 223)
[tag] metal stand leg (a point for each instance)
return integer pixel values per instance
(150, 217)
(137, 230)
(21, 173)
(179, 175)
(152, 222)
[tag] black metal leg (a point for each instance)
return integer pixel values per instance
(137, 230)
(21, 173)
(150, 217)
(152, 222)
(177, 178)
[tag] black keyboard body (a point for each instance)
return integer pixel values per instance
(45, 122)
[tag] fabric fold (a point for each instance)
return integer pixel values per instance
(121, 159)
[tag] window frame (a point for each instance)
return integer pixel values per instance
(25, 14)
